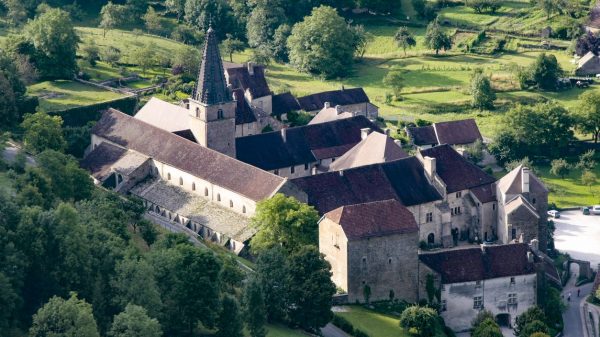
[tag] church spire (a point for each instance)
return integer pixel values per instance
(211, 87)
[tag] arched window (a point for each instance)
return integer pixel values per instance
(193, 186)
(244, 209)
(218, 196)
(220, 114)
(180, 181)
(168, 176)
(206, 191)
(230, 203)
(431, 238)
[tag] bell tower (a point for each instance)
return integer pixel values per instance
(212, 110)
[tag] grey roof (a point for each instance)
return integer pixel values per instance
(199, 161)
(520, 202)
(284, 103)
(329, 115)
(100, 160)
(335, 97)
(376, 148)
(164, 115)
(458, 132)
(511, 182)
(211, 87)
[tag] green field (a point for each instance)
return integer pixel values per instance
(60, 95)
(569, 192)
(374, 324)
(282, 331)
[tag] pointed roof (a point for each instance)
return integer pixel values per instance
(520, 202)
(329, 114)
(376, 148)
(211, 87)
(511, 182)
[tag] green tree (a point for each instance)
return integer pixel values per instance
(545, 71)
(53, 36)
(362, 38)
(435, 38)
(279, 47)
(43, 132)
(589, 114)
(533, 327)
(229, 323)
(262, 23)
(136, 271)
(405, 39)
(284, 221)
(481, 317)
(309, 289)
(323, 44)
(110, 55)
(255, 311)
(91, 53)
(539, 334)
(560, 167)
(111, 16)
(549, 6)
(152, 20)
(177, 7)
(419, 320)
(394, 80)
(17, 12)
(232, 45)
(68, 181)
(232, 276)
(481, 6)
(475, 152)
(134, 322)
(532, 314)
(271, 273)
(12, 91)
(589, 179)
(64, 318)
(481, 91)
(188, 60)
(145, 57)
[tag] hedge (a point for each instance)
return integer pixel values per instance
(80, 116)
(347, 327)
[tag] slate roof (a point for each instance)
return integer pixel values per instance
(100, 160)
(403, 180)
(211, 87)
(455, 170)
(240, 78)
(164, 115)
(454, 133)
(187, 156)
(284, 103)
(335, 97)
(328, 115)
(511, 182)
(479, 263)
(374, 219)
(243, 112)
(485, 193)
(520, 202)
(376, 148)
(303, 144)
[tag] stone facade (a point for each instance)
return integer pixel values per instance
(214, 125)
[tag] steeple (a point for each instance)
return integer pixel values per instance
(211, 87)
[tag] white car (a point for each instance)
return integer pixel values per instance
(554, 213)
(595, 210)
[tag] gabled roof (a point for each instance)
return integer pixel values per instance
(479, 263)
(239, 77)
(164, 115)
(100, 160)
(211, 87)
(403, 180)
(519, 202)
(199, 161)
(374, 219)
(284, 103)
(485, 193)
(511, 182)
(243, 112)
(303, 144)
(455, 170)
(328, 115)
(376, 148)
(421, 136)
(335, 97)
(585, 59)
(454, 133)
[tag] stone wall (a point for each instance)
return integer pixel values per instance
(248, 129)
(522, 221)
(334, 245)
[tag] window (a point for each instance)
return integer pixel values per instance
(477, 284)
(458, 194)
(512, 281)
(390, 260)
(494, 207)
(306, 167)
(431, 238)
(193, 186)
(455, 211)
(231, 203)
(168, 176)
(443, 307)
(512, 298)
(429, 217)
(180, 181)
(533, 201)
(514, 233)
(477, 302)
(197, 112)
(244, 209)
(332, 160)
(220, 114)
(292, 169)
(218, 196)
(206, 191)
(276, 172)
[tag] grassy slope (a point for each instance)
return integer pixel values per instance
(374, 324)
(71, 94)
(569, 192)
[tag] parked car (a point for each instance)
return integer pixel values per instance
(585, 210)
(596, 210)
(554, 213)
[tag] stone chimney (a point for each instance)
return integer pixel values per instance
(338, 109)
(535, 245)
(387, 131)
(327, 105)
(251, 68)
(398, 142)
(430, 166)
(525, 180)
(341, 173)
(530, 257)
(284, 134)
(364, 133)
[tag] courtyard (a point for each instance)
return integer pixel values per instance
(579, 235)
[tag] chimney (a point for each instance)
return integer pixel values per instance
(342, 88)
(535, 245)
(530, 257)
(398, 142)
(284, 134)
(251, 68)
(364, 133)
(430, 166)
(521, 238)
(341, 173)
(483, 249)
(338, 109)
(525, 180)
(327, 105)
(387, 131)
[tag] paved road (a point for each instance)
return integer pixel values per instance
(572, 316)
(579, 235)
(11, 152)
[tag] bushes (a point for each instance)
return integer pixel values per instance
(346, 326)
(80, 116)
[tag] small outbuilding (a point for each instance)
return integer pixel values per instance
(588, 65)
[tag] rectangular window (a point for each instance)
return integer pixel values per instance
(292, 169)
(443, 305)
(458, 194)
(477, 284)
(512, 298)
(451, 211)
(514, 233)
(429, 217)
(276, 172)
(477, 302)
(494, 207)
(512, 281)
(305, 167)
(458, 210)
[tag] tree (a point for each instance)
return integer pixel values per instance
(589, 114)
(134, 322)
(588, 178)
(587, 42)
(309, 289)
(545, 71)
(362, 38)
(255, 311)
(405, 39)
(136, 271)
(203, 13)
(110, 55)
(271, 273)
(60, 317)
(284, 221)
(560, 167)
(229, 322)
(435, 38)
(549, 6)
(145, 57)
(481, 91)
(587, 160)
(91, 53)
(264, 19)
(487, 328)
(539, 334)
(481, 6)
(176, 6)
(279, 47)
(12, 91)
(43, 132)
(481, 317)
(420, 320)
(111, 16)
(231, 45)
(533, 327)
(68, 181)
(17, 12)
(152, 20)
(188, 60)
(53, 36)
(232, 276)
(394, 80)
(532, 314)
(323, 44)
(475, 152)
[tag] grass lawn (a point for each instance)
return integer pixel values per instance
(282, 331)
(569, 192)
(373, 323)
(60, 95)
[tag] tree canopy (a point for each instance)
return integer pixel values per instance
(435, 38)
(60, 317)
